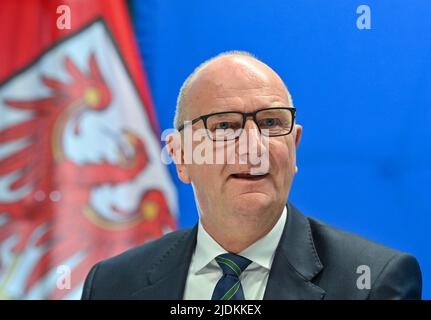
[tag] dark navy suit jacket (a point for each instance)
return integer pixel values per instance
(313, 261)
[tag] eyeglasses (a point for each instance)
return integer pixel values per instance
(271, 122)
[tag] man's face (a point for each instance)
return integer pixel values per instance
(222, 190)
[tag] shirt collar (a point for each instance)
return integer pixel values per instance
(261, 252)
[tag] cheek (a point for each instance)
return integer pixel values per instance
(204, 175)
(283, 156)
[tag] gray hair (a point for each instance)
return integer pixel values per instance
(180, 116)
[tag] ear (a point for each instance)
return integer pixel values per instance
(297, 137)
(298, 134)
(176, 151)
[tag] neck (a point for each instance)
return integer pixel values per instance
(236, 235)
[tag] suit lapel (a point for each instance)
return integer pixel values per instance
(295, 263)
(166, 280)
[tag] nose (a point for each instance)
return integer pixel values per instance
(250, 124)
(251, 141)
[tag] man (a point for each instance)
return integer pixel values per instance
(248, 244)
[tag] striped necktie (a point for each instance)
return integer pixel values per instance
(229, 286)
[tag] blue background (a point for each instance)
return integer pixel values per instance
(363, 98)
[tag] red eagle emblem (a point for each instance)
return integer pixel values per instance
(55, 215)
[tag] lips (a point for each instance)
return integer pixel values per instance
(249, 176)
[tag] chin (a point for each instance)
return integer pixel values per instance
(252, 201)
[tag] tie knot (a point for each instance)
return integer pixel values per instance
(232, 264)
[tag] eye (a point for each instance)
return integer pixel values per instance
(269, 122)
(225, 125)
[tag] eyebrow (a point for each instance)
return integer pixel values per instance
(215, 110)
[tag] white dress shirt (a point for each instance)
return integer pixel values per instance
(204, 271)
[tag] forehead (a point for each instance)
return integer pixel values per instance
(234, 83)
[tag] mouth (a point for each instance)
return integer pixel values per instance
(249, 176)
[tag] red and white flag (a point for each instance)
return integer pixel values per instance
(80, 172)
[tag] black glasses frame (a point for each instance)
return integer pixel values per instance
(245, 116)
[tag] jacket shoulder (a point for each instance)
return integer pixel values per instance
(333, 241)
(147, 253)
(346, 256)
(128, 270)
